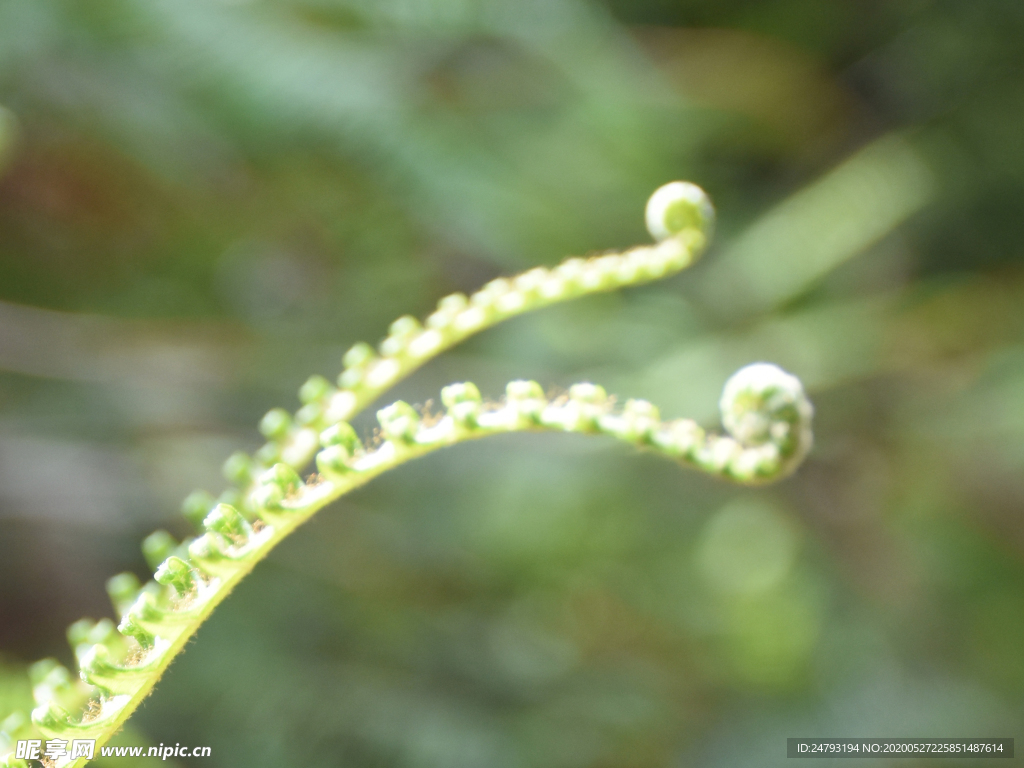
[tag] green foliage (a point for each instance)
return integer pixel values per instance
(202, 202)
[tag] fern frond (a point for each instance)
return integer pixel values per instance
(765, 412)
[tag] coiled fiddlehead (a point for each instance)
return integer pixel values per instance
(765, 412)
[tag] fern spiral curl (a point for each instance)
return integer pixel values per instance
(764, 411)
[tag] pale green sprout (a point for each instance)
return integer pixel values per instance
(764, 410)
(677, 207)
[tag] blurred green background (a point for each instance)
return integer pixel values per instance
(202, 202)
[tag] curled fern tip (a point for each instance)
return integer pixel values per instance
(679, 206)
(765, 408)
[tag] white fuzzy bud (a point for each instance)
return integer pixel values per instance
(677, 207)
